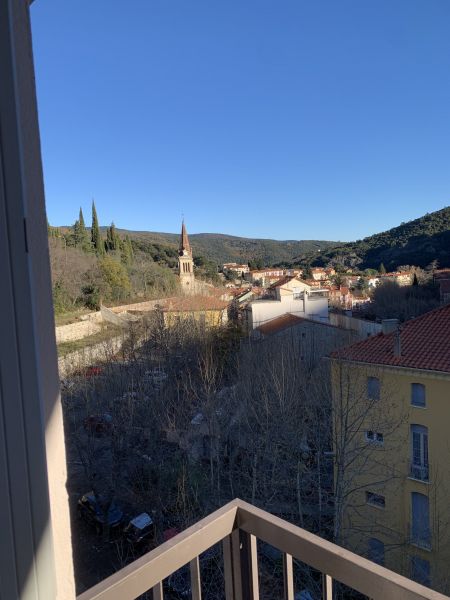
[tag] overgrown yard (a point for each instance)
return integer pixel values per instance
(108, 331)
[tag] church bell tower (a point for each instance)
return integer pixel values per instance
(185, 262)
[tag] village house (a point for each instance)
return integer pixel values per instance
(265, 277)
(205, 310)
(322, 274)
(402, 278)
(240, 269)
(441, 278)
(317, 338)
(289, 295)
(340, 297)
(397, 510)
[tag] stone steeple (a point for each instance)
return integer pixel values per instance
(185, 263)
(185, 247)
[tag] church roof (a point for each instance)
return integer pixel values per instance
(184, 240)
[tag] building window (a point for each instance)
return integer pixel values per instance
(376, 551)
(418, 394)
(375, 500)
(419, 452)
(420, 570)
(373, 388)
(374, 437)
(420, 525)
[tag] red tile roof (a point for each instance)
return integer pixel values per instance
(425, 344)
(289, 320)
(279, 324)
(194, 303)
(282, 281)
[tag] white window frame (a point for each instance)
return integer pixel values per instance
(419, 457)
(372, 500)
(422, 387)
(371, 437)
(35, 548)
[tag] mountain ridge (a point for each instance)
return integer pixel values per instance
(416, 242)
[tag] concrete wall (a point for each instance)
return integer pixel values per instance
(363, 328)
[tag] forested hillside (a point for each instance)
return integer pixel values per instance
(221, 248)
(417, 242)
(99, 264)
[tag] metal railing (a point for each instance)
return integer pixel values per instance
(419, 472)
(238, 525)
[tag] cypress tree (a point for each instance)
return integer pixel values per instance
(112, 239)
(96, 239)
(76, 234)
(126, 251)
(382, 269)
(81, 221)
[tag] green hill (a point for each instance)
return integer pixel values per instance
(417, 242)
(221, 248)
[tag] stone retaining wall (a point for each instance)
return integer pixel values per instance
(76, 331)
(101, 352)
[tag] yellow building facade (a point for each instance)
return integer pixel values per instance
(391, 413)
(204, 310)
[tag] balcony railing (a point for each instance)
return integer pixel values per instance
(238, 525)
(420, 472)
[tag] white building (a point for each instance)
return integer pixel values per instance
(241, 269)
(289, 295)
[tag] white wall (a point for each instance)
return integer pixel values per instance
(266, 310)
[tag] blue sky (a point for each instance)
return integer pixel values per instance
(288, 119)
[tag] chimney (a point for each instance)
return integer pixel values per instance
(389, 326)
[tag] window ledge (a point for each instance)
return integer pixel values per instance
(426, 547)
(427, 482)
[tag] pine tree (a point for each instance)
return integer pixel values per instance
(382, 269)
(96, 239)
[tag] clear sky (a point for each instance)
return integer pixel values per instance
(289, 119)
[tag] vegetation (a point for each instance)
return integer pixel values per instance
(417, 242)
(104, 264)
(230, 418)
(88, 268)
(220, 248)
(390, 301)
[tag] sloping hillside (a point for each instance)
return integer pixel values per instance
(222, 248)
(417, 242)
